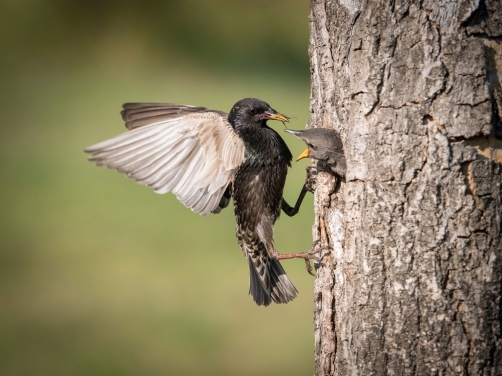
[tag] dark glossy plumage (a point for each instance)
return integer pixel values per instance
(257, 192)
(205, 157)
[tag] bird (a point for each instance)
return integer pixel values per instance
(325, 146)
(206, 157)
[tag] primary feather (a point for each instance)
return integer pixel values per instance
(190, 151)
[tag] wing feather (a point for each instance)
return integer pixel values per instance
(190, 151)
(126, 138)
(165, 163)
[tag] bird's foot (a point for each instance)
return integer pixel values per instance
(312, 254)
(315, 253)
(311, 178)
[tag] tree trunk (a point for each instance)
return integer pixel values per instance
(414, 281)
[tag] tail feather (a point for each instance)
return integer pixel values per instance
(260, 295)
(283, 290)
(268, 281)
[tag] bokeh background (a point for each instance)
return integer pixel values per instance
(98, 275)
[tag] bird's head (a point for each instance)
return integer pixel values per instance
(253, 112)
(321, 142)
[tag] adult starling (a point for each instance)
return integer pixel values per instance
(324, 145)
(205, 157)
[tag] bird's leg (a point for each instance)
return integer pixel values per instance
(307, 256)
(307, 187)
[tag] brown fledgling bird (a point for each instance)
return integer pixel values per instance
(324, 145)
(205, 157)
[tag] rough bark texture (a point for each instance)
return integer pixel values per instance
(413, 285)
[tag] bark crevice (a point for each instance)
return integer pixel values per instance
(413, 284)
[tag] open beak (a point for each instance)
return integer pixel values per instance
(305, 154)
(274, 115)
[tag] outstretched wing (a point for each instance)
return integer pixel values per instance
(190, 151)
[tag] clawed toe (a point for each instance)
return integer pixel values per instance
(309, 267)
(313, 254)
(310, 180)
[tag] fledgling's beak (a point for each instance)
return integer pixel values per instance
(305, 154)
(274, 115)
(293, 132)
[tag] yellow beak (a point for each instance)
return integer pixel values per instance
(305, 154)
(277, 116)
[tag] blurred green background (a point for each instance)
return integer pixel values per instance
(99, 275)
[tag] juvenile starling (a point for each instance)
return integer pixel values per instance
(324, 145)
(205, 157)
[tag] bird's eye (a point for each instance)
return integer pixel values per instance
(253, 111)
(311, 146)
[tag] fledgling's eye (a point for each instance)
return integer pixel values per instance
(253, 111)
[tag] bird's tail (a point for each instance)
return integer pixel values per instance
(268, 281)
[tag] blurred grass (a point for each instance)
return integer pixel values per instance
(98, 275)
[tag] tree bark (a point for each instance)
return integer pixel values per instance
(413, 283)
